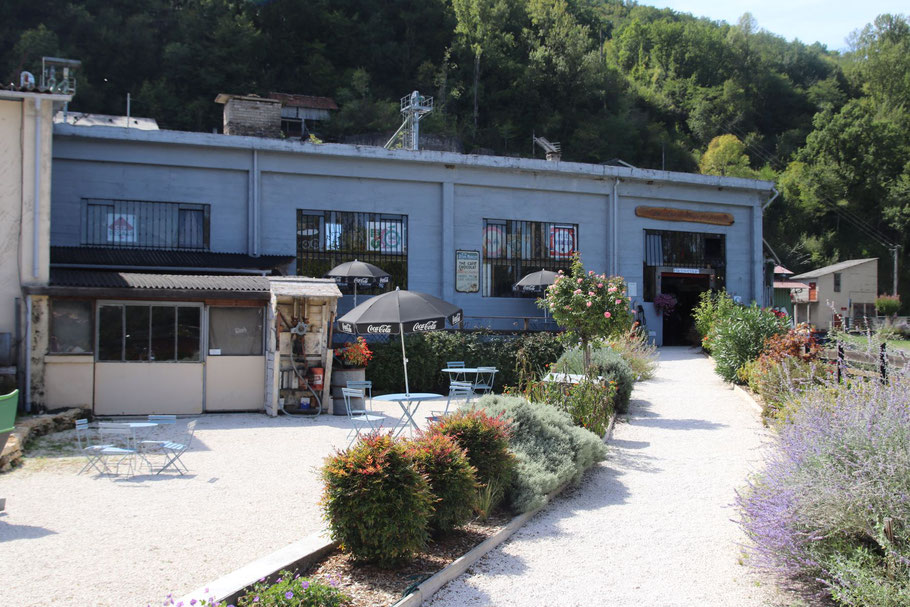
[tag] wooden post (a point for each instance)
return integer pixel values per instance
(883, 362)
(840, 362)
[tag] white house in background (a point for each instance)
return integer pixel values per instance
(848, 288)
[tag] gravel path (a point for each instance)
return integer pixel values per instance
(651, 525)
(71, 540)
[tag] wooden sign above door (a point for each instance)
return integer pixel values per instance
(668, 214)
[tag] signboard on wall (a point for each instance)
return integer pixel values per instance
(467, 271)
(121, 227)
(494, 241)
(562, 241)
(385, 236)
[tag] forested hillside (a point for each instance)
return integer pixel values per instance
(607, 79)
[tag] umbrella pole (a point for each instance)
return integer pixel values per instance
(355, 293)
(407, 389)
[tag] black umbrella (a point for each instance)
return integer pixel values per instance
(400, 312)
(360, 273)
(536, 281)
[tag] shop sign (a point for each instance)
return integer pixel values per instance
(121, 227)
(562, 241)
(385, 236)
(494, 241)
(467, 271)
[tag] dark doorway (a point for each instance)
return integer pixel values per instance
(679, 326)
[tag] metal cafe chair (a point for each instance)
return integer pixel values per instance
(173, 451)
(456, 364)
(153, 447)
(485, 377)
(367, 387)
(360, 419)
(118, 443)
(92, 452)
(457, 390)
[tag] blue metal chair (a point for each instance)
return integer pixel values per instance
(361, 419)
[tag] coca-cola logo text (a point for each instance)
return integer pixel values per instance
(346, 327)
(456, 319)
(430, 325)
(379, 328)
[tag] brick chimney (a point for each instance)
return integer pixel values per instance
(250, 115)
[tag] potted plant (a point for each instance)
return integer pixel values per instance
(350, 365)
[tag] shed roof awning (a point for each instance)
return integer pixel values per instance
(121, 258)
(304, 286)
(789, 284)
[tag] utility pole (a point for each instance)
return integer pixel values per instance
(894, 250)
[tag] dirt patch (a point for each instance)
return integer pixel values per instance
(371, 586)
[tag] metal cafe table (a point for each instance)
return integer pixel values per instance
(408, 404)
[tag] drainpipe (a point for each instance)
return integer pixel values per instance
(36, 233)
(770, 200)
(614, 265)
(253, 217)
(28, 353)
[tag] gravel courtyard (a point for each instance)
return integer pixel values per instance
(71, 540)
(652, 524)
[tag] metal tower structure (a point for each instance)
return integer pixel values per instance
(413, 107)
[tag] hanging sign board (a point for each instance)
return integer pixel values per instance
(467, 271)
(668, 214)
(562, 241)
(385, 236)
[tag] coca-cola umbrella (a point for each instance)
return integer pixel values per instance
(360, 273)
(400, 312)
(536, 281)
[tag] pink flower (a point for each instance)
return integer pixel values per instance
(590, 272)
(580, 280)
(568, 307)
(600, 285)
(560, 272)
(612, 289)
(607, 315)
(578, 291)
(619, 301)
(588, 304)
(591, 293)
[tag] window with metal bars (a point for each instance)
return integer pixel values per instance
(512, 249)
(665, 248)
(145, 224)
(328, 238)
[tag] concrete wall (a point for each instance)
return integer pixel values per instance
(143, 388)
(255, 187)
(69, 381)
(234, 383)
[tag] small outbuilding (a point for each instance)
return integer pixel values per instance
(844, 291)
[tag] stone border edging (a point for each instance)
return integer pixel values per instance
(317, 545)
(28, 428)
(749, 400)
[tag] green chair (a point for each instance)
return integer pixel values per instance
(8, 405)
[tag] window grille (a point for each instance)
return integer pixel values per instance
(145, 225)
(512, 249)
(326, 239)
(665, 248)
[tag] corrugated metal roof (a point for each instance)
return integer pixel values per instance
(782, 270)
(305, 101)
(122, 258)
(789, 284)
(130, 280)
(303, 286)
(837, 267)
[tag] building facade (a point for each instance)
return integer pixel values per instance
(847, 290)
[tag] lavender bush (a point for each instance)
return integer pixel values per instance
(832, 506)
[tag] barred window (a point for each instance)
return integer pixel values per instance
(144, 224)
(328, 238)
(697, 250)
(512, 249)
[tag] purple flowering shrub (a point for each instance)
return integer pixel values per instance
(287, 591)
(832, 506)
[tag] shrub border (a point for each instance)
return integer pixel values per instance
(317, 546)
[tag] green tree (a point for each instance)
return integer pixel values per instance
(726, 155)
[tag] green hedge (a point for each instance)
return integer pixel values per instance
(607, 363)
(429, 352)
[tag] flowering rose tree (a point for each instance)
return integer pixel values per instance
(590, 306)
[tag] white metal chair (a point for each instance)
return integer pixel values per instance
(367, 387)
(118, 443)
(91, 452)
(173, 451)
(484, 381)
(456, 364)
(457, 390)
(361, 419)
(152, 447)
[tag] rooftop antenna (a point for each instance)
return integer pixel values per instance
(552, 148)
(413, 107)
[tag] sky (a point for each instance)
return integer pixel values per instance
(825, 21)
